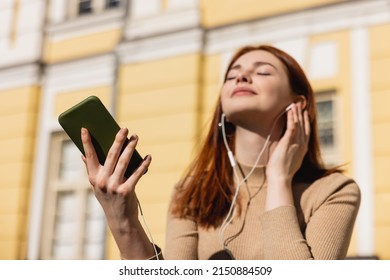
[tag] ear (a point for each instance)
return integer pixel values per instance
(301, 99)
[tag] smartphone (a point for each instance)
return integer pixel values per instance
(94, 116)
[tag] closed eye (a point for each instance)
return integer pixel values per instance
(263, 74)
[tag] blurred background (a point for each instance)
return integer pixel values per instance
(157, 65)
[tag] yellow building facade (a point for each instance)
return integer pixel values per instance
(21, 92)
(158, 66)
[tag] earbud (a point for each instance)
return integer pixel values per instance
(289, 107)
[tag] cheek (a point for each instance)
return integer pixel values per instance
(281, 91)
(284, 87)
(224, 94)
(225, 90)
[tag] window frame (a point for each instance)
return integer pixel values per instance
(54, 187)
(330, 155)
(97, 7)
(91, 8)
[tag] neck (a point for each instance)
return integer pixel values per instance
(249, 143)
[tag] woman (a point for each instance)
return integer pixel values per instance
(272, 200)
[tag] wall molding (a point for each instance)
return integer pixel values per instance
(80, 74)
(166, 22)
(86, 25)
(20, 76)
(163, 46)
(326, 19)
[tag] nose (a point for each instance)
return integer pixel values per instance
(244, 77)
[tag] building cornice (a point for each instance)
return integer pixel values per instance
(77, 74)
(174, 44)
(167, 22)
(300, 24)
(85, 25)
(20, 76)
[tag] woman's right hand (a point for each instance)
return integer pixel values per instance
(112, 189)
(116, 193)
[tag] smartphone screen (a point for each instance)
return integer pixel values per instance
(94, 116)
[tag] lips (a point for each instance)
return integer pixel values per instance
(243, 91)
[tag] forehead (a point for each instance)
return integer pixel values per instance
(251, 57)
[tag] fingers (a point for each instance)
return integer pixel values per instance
(299, 112)
(307, 124)
(90, 158)
(136, 176)
(115, 151)
(125, 157)
(304, 124)
(290, 123)
(298, 125)
(116, 164)
(295, 113)
(301, 125)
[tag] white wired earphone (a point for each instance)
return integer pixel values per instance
(148, 231)
(229, 216)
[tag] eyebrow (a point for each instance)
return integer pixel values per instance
(255, 65)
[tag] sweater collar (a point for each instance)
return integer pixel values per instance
(257, 177)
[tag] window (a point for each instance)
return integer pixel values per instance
(326, 118)
(112, 4)
(325, 124)
(85, 7)
(81, 8)
(74, 224)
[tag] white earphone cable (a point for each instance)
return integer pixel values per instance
(148, 230)
(229, 217)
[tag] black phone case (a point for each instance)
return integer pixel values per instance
(93, 115)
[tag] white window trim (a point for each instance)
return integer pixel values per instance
(305, 23)
(331, 156)
(59, 78)
(81, 188)
(98, 6)
(362, 138)
(162, 22)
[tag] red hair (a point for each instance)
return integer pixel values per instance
(205, 193)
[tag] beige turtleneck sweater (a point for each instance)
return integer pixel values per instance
(318, 227)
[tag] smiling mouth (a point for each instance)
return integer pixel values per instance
(243, 92)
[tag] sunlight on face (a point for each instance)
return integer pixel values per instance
(257, 86)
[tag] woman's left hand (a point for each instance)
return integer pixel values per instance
(288, 155)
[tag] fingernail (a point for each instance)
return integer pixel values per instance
(148, 157)
(83, 130)
(133, 137)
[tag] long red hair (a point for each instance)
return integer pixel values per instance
(206, 191)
